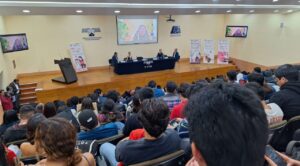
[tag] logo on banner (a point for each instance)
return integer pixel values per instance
(91, 33)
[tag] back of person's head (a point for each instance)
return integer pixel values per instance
(136, 103)
(227, 126)
(152, 84)
(88, 119)
(255, 77)
(154, 116)
(26, 111)
(257, 70)
(39, 108)
(74, 100)
(10, 116)
(195, 88)
(145, 93)
(59, 103)
(98, 91)
(62, 108)
(257, 89)
(287, 71)
(114, 95)
(57, 138)
(49, 110)
(94, 97)
(87, 103)
(32, 124)
(232, 75)
(182, 89)
(171, 86)
(3, 157)
(108, 106)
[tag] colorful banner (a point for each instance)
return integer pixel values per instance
(195, 52)
(223, 52)
(78, 57)
(208, 52)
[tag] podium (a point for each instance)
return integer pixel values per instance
(66, 68)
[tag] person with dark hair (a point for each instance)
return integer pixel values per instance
(273, 111)
(158, 140)
(257, 70)
(287, 77)
(28, 148)
(231, 75)
(19, 130)
(114, 59)
(160, 54)
(132, 122)
(259, 78)
(49, 110)
(227, 126)
(14, 88)
(177, 111)
(7, 156)
(39, 108)
(171, 97)
(92, 130)
(9, 119)
(56, 138)
(157, 92)
(5, 99)
(176, 55)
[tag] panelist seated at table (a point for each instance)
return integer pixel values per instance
(160, 54)
(128, 58)
(176, 55)
(114, 59)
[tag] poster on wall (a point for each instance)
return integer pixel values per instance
(223, 52)
(195, 52)
(208, 52)
(175, 31)
(78, 57)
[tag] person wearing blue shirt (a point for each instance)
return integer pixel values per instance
(157, 92)
(88, 120)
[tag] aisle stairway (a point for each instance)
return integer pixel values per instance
(28, 94)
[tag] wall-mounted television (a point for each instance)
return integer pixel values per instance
(137, 29)
(236, 31)
(13, 42)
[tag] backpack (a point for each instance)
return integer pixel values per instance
(293, 149)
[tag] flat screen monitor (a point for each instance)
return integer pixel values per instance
(137, 29)
(13, 42)
(236, 31)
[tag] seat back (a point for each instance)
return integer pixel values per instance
(281, 138)
(17, 143)
(176, 158)
(31, 159)
(110, 61)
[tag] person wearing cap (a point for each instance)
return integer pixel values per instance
(91, 128)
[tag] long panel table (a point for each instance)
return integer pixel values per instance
(145, 65)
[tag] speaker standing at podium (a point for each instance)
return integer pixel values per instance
(176, 55)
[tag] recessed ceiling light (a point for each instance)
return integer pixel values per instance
(290, 11)
(252, 11)
(197, 11)
(215, 0)
(238, 0)
(156, 11)
(276, 11)
(79, 11)
(117, 11)
(26, 11)
(228, 11)
(275, 0)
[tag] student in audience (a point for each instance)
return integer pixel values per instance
(259, 78)
(176, 55)
(89, 121)
(6, 100)
(160, 54)
(28, 148)
(273, 111)
(66, 113)
(171, 97)
(115, 59)
(9, 119)
(19, 130)
(287, 77)
(132, 122)
(257, 70)
(6, 156)
(157, 92)
(158, 140)
(109, 114)
(56, 138)
(231, 75)
(178, 109)
(133, 106)
(227, 126)
(39, 108)
(115, 96)
(49, 110)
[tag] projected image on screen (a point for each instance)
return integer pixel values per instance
(236, 31)
(137, 29)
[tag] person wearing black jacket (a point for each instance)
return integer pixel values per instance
(288, 98)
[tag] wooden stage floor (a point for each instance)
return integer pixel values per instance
(105, 79)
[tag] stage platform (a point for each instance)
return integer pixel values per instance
(105, 79)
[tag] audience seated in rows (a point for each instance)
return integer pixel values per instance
(19, 130)
(157, 91)
(91, 127)
(259, 78)
(56, 138)
(158, 140)
(232, 76)
(171, 97)
(287, 77)
(10, 118)
(177, 111)
(49, 110)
